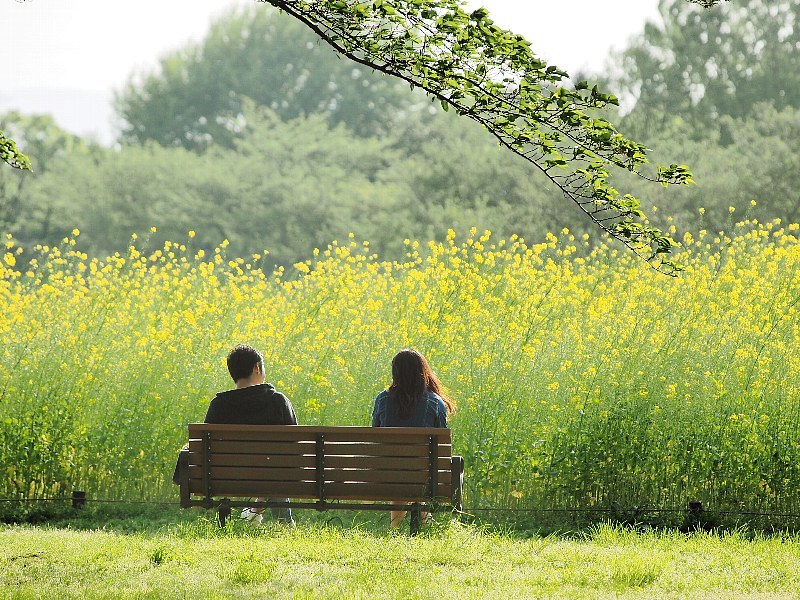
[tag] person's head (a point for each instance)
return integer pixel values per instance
(246, 363)
(412, 376)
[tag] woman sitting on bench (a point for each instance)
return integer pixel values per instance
(416, 398)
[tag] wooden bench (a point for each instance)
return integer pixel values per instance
(350, 468)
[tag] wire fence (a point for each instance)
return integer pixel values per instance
(79, 499)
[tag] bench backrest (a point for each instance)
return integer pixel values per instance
(323, 463)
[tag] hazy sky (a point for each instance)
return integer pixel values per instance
(66, 56)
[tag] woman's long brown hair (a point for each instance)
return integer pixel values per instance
(412, 376)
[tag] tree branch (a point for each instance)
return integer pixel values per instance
(11, 155)
(491, 76)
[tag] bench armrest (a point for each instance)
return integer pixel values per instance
(458, 481)
(182, 476)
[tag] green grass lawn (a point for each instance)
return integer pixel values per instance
(191, 557)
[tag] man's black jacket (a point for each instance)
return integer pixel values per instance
(253, 405)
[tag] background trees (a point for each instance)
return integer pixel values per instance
(195, 99)
(293, 176)
(701, 65)
(720, 89)
(45, 142)
(287, 186)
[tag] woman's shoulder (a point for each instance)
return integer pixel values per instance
(435, 398)
(382, 396)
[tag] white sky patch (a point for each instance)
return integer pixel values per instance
(57, 52)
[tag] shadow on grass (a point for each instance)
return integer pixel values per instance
(146, 518)
(118, 517)
(150, 519)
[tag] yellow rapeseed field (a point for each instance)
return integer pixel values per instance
(583, 377)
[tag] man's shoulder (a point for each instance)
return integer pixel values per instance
(275, 394)
(247, 395)
(220, 397)
(262, 390)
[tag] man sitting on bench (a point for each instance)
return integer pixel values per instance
(252, 402)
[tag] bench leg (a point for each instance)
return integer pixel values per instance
(415, 519)
(224, 512)
(458, 482)
(182, 472)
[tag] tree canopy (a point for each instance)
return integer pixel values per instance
(721, 89)
(705, 65)
(46, 142)
(196, 96)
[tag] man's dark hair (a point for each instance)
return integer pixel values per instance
(241, 361)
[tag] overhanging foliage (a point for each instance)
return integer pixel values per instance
(11, 155)
(706, 3)
(490, 75)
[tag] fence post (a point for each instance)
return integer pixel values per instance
(694, 519)
(415, 519)
(78, 499)
(224, 511)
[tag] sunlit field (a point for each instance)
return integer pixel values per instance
(584, 379)
(198, 559)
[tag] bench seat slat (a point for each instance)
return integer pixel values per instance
(373, 437)
(383, 491)
(252, 489)
(384, 449)
(382, 462)
(401, 492)
(309, 431)
(255, 473)
(379, 435)
(331, 462)
(333, 491)
(294, 448)
(340, 475)
(253, 447)
(255, 460)
(310, 474)
(274, 436)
